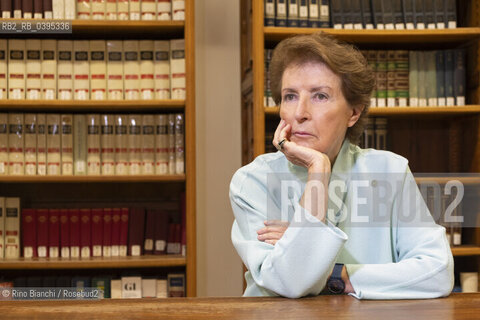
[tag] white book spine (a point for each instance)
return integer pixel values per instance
(179, 144)
(81, 82)
(161, 144)
(134, 9)
(111, 10)
(148, 144)
(49, 69)
(149, 9)
(70, 9)
(115, 69)
(135, 144)
(12, 228)
(16, 69)
(6, 14)
(162, 69)
(16, 140)
(98, 9)
(58, 9)
(53, 145)
(67, 144)
(108, 144)
(147, 84)
(2, 227)
(121, 145)
(33, 69)
(65, 69)
(80, 144)
(178, 10)
(3, 143)
(83, 9)
(98, 70)
(30, 144)
(116, 289)
(131, 70)
(177, 69)
(131, 287)
(162, 291)
(41, 144)
(171, 144)
(164, 10)
(149, 288)
(3, 69)
(93, 144)
(123, 9)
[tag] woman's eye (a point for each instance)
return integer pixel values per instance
(320, 96)
(288, 97)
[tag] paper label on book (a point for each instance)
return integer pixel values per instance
(281, 9)
(123, 251)
(441, 101)
(450, 101)
(431, 26)
(380, 26)
(432, 102)
(399, 26)
(160, 245)
(75, 252)
(136, 249)
(42, 251)
(440, 25)
(107, 252)
(85, 253)
(460, 101)
(413, 102)
(402, 102)
(27, 252)
(65, 252)
(422, 102)
(53, 252)
(420, 26)
(115, 251)
(97, 251)
(270, 9)
(410, 26)
(389, 26)
(457, 238)
(452, 24)
(148, 244)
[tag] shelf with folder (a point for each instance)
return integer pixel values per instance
(146, 261)
(93, 105)
(444, 36)
(106, 179)
(466, 250)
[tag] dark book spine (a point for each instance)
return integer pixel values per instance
(6, 6)
(440, 66)
(292, 15)
(450, 14)
(450, 98)
(27, 8)
(47, 9)
(149, 232)
(303, 13)
(429, 14)
(38, 9)
(313, 14)
(388, 14)
(419, 15)
(347, 14)
(136, 231)
(336, 14)
(439, 14)
(269, 13)
(17, 9)
(281, 13)
(377, 12)
(407, 7)
(366, 14)
(459, 76)
(356, 13)
(324, 13)
(398, 17)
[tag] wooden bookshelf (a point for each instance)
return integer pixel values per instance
(95, 263)
(104, 179)
(462, 251)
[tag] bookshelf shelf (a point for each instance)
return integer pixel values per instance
(466, 251)
(444, 36)
(106, 179)
(97, 263)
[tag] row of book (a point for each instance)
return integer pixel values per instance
(94, 10)
(92, 144)
(84, 233)
(375, 134)
(92, 69)
(127, 287)
(362, 14)
(418, 78)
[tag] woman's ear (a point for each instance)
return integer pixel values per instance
(355, 115)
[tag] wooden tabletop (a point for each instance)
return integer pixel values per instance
(456, 306)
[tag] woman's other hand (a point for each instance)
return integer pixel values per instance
(273, 231)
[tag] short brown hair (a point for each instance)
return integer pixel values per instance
(357, 78)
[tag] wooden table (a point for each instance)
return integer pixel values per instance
(457, 306)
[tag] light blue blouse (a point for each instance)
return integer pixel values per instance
(377, 225)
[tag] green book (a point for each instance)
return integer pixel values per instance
(102, 283)
(381, 76)
(422, 78)
(401, 78)
(371, 58)
(391, 71)
(431, 77)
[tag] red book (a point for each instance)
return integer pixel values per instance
(107, 232)
(161, 232)
(97, 232)
(171, 239)
(74, 233)
(116, 216)
(149, 231)
(42, 233)
(64, 234)
(29, 233)
(184, 224)
(85, 233)
(136, 231)
(124, 231)
(178, 238)
(54, 233)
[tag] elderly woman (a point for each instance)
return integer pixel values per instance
(323, 215)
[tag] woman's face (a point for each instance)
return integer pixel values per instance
(314, 106)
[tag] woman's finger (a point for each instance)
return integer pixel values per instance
(276, 223)
(270, 236)
(280, 126)
(272, 229)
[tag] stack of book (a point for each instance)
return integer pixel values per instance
(93, 144)
(52, 69)
(94, 10)
(88, 232)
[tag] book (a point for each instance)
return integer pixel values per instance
(58, 8)
(171, 144)
(64, 234)
(418, 14)
(97, 232)
(398, 15)
(6, 7)
(42, 233)
(107, 142)
(67, 144)
(356, 13)
(53, 233)
(408, 13)
(27, 9)
(93, 144)
(429, 14)
(440, 75)
(33, 69)
(85, 233)
(280, 13)
(381, 77)
(38, 9)
(30, 144)
(3, 69)
(98, 70)
(413, 78)
(336, 14)
(161, 232)
(176, 285)
(269, 12)
(121, 145)
(135, 144)
(377, 14)
(347, 14)
(124, 223)
(116, 289)
(388, 18)
(83, 9)
(147, 83)
(162, 288)
(303, 13)
(111, 10)
(107, 232)
(75, 232)
(148, 10)
(439, 12)
(459, 75)
(70, 9)
(179, 144)
(16, 69)
(131, 69)
(381, 133)
(115, 69)
(369, 134)
(422, 78)
(81, 70)
(161, 144)
(53, 145)
(401, 78)
(324, 13)
(136, 231)
(148, 145)
(42, 144)
(292, 13)
(431, 78)
(122, 9)
(4, 161)
(131, 287)
(17, 9)
(174, 239)
(449, 83)
(29, 233)
(2, 227)
(80, 144)
(149, 231)
(65, 70)
(134, 9)
(164, 10)
(81, 282)
(391, 72)
(115, 238)
(450, 14)
(102, 283)
(177, 69)
(178, 10)
(162, 69)
(149, 288)
(16, 140)
(314, 14)
(12, 228)
(98, 8)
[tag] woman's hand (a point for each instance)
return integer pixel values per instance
(273, 231)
